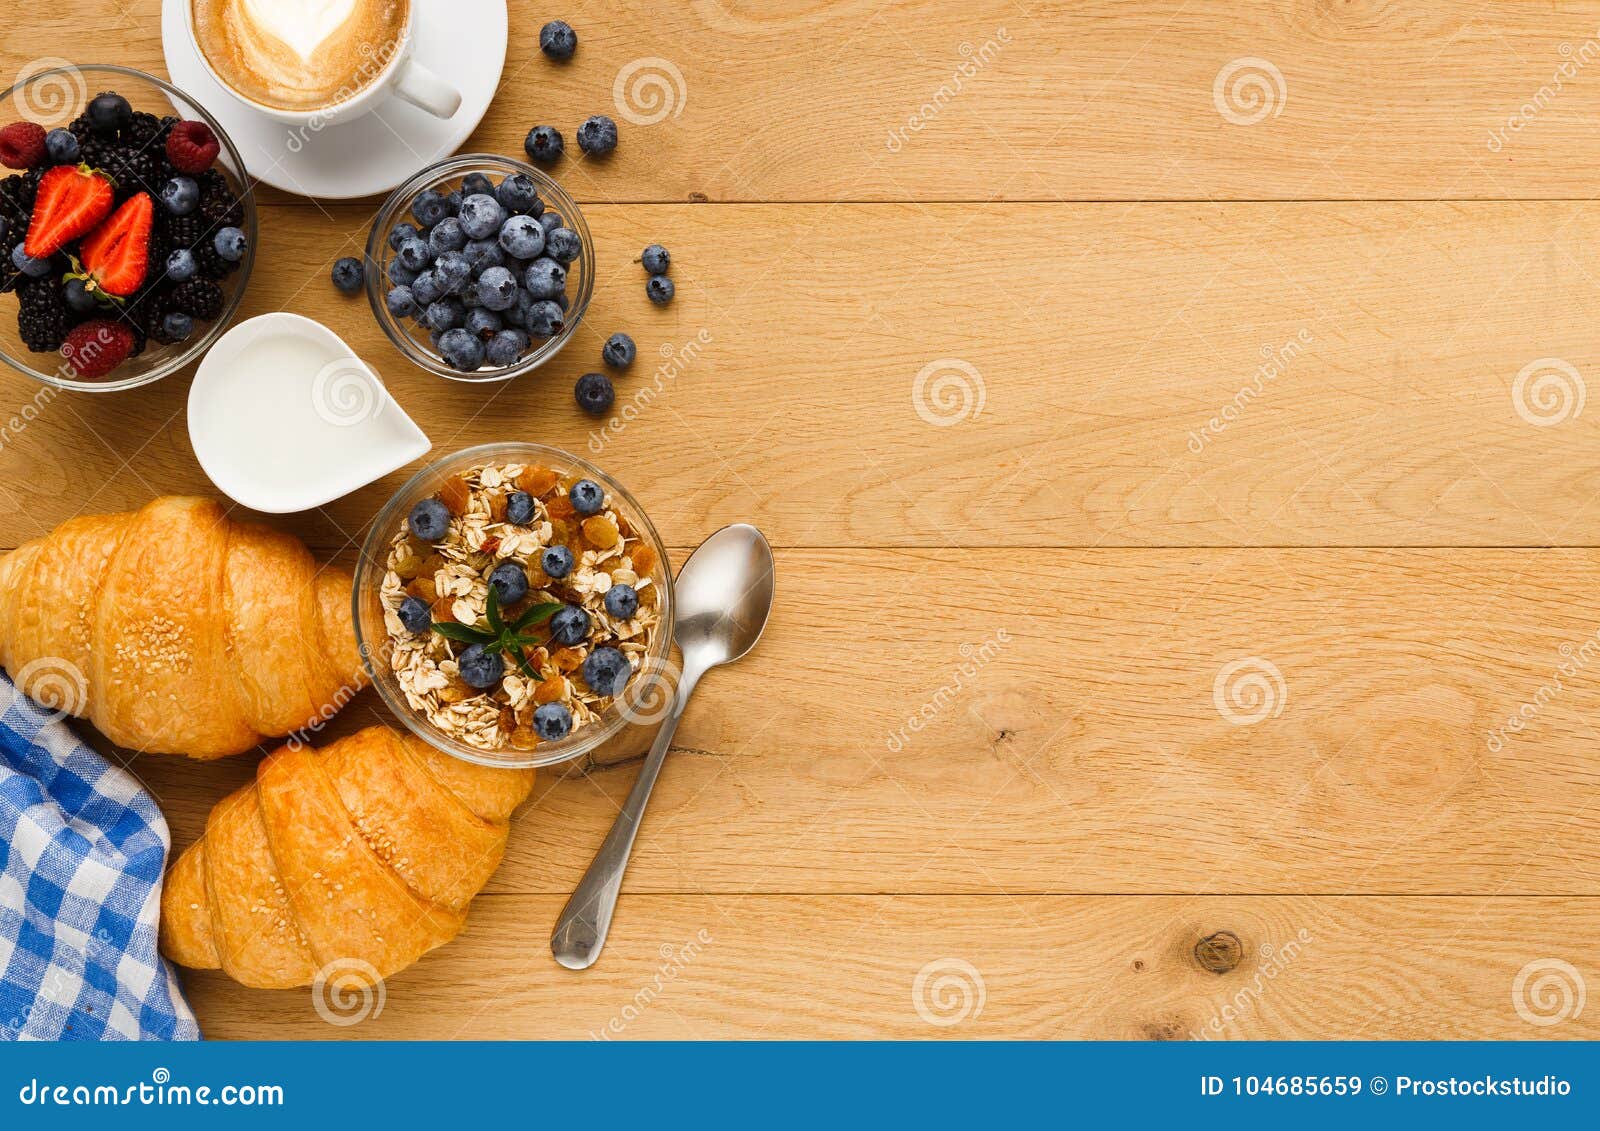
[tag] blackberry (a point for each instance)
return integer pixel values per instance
(131, 168)
(16, 199)
(153, 311)
(218, 205)
(42, 315)
(184, 231)
(212, 265)
(198, 299)
(81, 129)
(144, 129)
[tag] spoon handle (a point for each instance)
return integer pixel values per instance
(585, 920)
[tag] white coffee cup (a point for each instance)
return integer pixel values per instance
(402, 76)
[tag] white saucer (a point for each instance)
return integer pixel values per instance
(461, 41)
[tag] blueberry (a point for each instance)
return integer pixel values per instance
(506, 348)
(497, 289)
(401, 302)
(415, 614)
(61, 146)
(550, 221)
(446, 314)
(426, 288)
(562, 245)
(452, 202)
(519, 508)
(474, 183)
(544, 320)
(481, 216)
(483, 323)
(570, 625)
(619, 351)
(523, 237)
(415, 254)
(80, 300)
(109, 113)
(556, 561)
(587, 497)
(348, 274)
(429, 208)
(461, 350)
(29, 266)
(660, 289)
(622, 601)
(552, 721)
(544, 278)
(484, 253)
(177, 326)
(480, 668)
(401, 275)
(509, 582)
(446, 236)
(656, 259)
(400, 233)
(558, 40)
(606, 670)
(561, 301)
(180, 195)
(229, 243)
(429, 520)
(452, 269)
(597, 136)
(594, 393)
(518, 194)
(181, 266)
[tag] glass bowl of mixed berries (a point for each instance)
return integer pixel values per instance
(479, 268)
(127, 228)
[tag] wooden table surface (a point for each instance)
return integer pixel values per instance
(1117, 686)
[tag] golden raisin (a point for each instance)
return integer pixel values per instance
(537, 480)
(454, 494)
(430, 565)
(524, 738)
(497, 507)
(508, 720)
(600, 531)
(441, 610)
(644, 560)
(406, 564)
(424, 589)
(551, 690)
(560, 509)
(455, 691)
(567, 659)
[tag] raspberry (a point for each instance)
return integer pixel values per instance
(96, 347)
(192, 147)
(22, 145)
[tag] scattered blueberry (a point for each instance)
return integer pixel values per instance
(415, 614)
(474, 183)
(80, 300)
(402, 303)
(229, 243)
(518, 194)
(619, 351)
(544, 278)
(29, 266)
(656, 259)
(594, 393)
(556, 561)
(483, 323)
(587, 497)
(558, 40)
(569, 626)
(544, 144)
(505, 348)
(523, 237)
(519, 508)
(415, 254)
(181, 265)
(177, 326)
(481, 216)
(622, 601)
(426, 288)
(348, 274)
(484, 253)
(497, 289)
(429, 208)
(544, 319)
(606, 670)
(479, 667)
(660, 289)
(597, 136)
(552, 721)
(445, 314)
(509, 582)
(180, 195)
(429, 520)
(461, 350)
(550, 221)
(109, 113)
(401, 275)
(447, 236)
(61, 146)
(562, 245)
(400, 233)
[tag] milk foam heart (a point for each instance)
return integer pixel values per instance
(303, 24)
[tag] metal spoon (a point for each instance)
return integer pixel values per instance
(723, 596)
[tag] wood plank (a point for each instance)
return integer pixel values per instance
(1055, 100)
(1121, 968)
(1105, 343)
(1072, 740)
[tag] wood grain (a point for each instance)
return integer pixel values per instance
(1120, 968)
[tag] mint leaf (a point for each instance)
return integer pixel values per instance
(535, 615)
(463, 633)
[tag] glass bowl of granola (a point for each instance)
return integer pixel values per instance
(513, 605)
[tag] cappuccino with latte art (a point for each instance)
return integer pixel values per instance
(300, 55)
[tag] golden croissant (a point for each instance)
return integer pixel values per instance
(366, 852)
(175, 629)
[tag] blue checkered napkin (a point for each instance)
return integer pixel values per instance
(82, 848)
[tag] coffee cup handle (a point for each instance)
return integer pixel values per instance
(426, 90)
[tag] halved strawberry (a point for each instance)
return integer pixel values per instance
(116, 255)
(71, 200)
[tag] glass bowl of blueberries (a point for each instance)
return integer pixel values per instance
(127, 225)
(479, 268)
